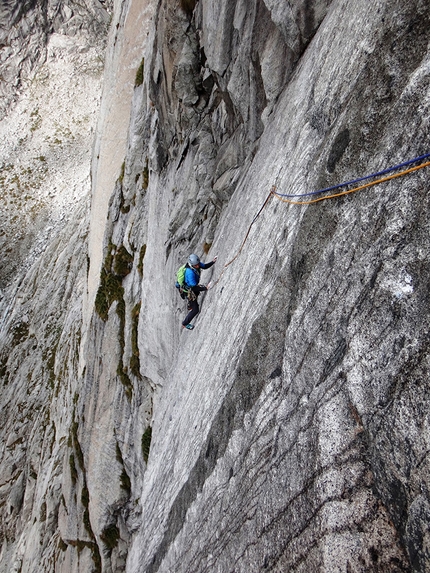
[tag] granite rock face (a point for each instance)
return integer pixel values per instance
(51, 69)
(290, 430)
(39, 370)
(280, 433)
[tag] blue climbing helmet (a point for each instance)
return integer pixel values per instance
(193, 260)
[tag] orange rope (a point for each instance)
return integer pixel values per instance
(376, 182)
(272, 193)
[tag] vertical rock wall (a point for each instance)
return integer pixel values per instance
(40, 339)
(51, 67)
(289, 430)
(280, 426)
(127, 42)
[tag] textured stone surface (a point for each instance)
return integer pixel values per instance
(280, 428)
(290, 429)
(25, 31)
(40, 336)
(51, 65)
(124, 55)
(51, 69)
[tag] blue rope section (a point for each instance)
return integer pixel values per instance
(353, 181)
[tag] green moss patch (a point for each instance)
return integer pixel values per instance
(139, 74)
(125, 482)
(125, 379)
(110, 290)
(122, 263)
(42, 515)
(146, 443)
(118, 264)
(145, 176)
(141, 257)
(135, 356)
(73, 471)
(121, 175)
(110, 536)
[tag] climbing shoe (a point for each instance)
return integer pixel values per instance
(188, 326)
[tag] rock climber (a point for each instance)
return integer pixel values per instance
(191, 280)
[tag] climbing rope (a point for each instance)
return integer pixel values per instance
(249, 228)
(246, 237)
(348, 191)
(354, 181)
(286, 198)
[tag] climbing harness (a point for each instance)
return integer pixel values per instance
(288, 198)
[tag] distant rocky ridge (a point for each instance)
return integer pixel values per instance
(25, 30)
(289, 430)
(51, 69)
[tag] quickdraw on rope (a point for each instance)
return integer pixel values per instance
(287, 198)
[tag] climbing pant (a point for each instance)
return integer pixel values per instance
(193, 307)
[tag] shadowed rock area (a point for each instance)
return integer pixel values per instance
(289, 431)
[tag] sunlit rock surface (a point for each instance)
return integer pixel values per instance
(289, 430)
(51, 70)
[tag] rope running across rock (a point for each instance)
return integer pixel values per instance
(287, 198)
